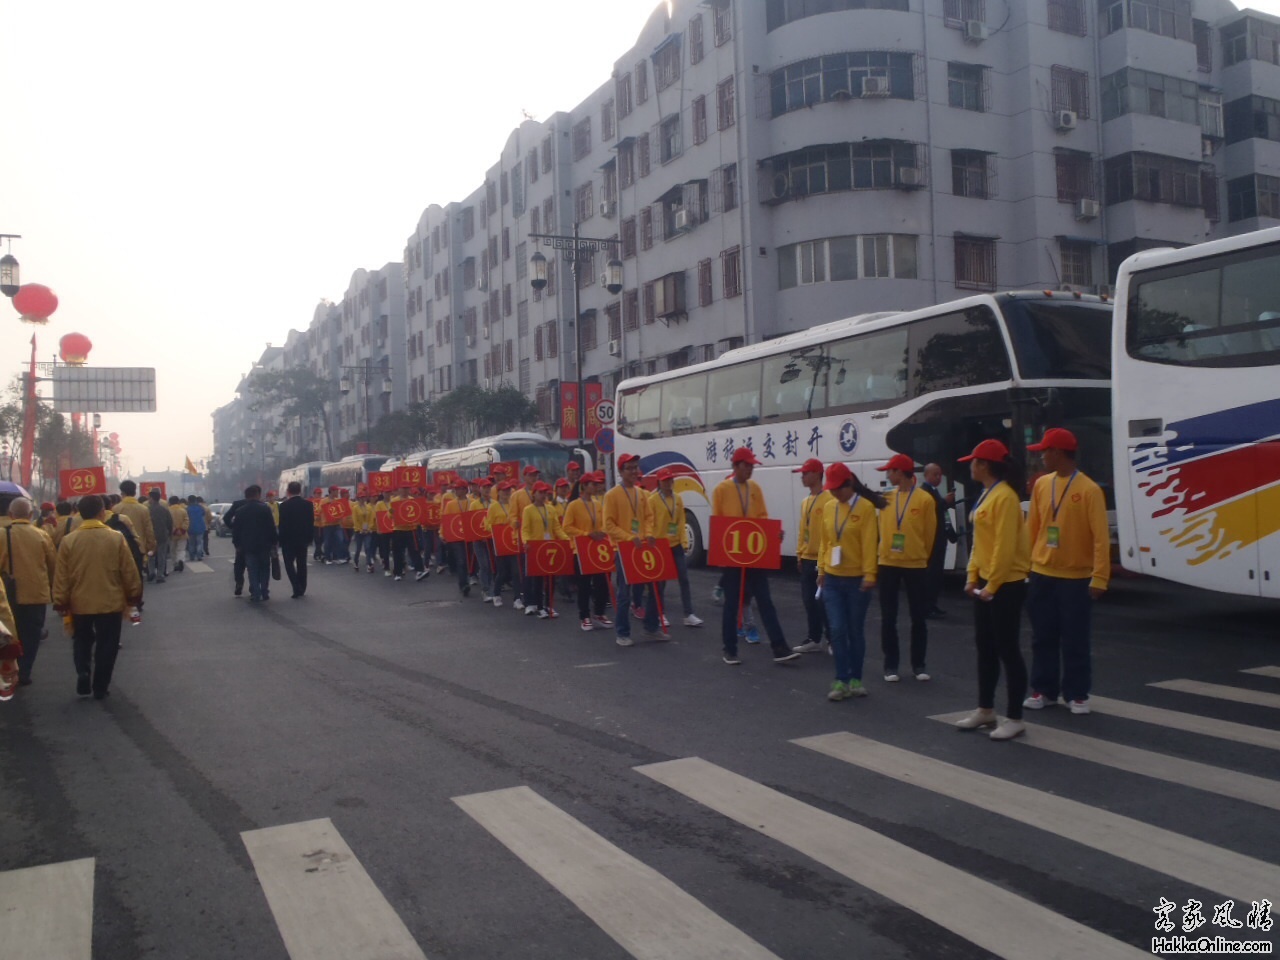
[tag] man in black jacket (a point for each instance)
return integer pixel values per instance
(256, 530)
(237, 566)
(946, 534)
(297, 529)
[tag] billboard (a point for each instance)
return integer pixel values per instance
(104, 389)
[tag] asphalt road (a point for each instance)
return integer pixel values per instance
(401, 717)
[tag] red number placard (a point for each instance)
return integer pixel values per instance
(742, 542)
(335, 511)
(464, 527)
(146, 486)
(505, 470)
(382, 481)
(383, 519)
(410, 477)
(82, 482)
(645, 563)
(431, 510)
(408, 512)
(549, 558)
(505, 541)
(315, 511)
(444, 478)
(596, 556)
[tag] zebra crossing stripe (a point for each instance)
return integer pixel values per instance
(1221, 691)
(1264, 671)
(1183, 858)
(1158, 766)
(325, 905)
(46, 912)
(648, 915)
(981, 912)
(1187, 722)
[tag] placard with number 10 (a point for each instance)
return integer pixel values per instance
(745, 542)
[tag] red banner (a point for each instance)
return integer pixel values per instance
(739, 542)
(383, 521)
(82, 482)
(645, 563)
(409, 512)
(410, 477)
(505, 541)
(592, 393)
(595, 556)
(335, 511)
(464, 527)
(505, 470)
(444, 478)
(569, 422)
(382, 481)
(146, 486)
(549, 558)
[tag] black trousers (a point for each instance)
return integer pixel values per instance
(758, 587)
(504, 573)
(915, 581)
(402, 541)
(815, 610)
(237, 569)
(29, 619)
(295, 565)
(933, 578)
(382, 543)
(996, 626)
(462, 565)
(103, 631)
(593, 594)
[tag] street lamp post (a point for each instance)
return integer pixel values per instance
(365, 373)
(9, 272)
(575, 247)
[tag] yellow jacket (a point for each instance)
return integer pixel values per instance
(349, 521)
(1001, 549)
(361, 517)
(668, 519)
(34, 561)
(1084, 540)
(726, 500)
(918, 528)
(396, 525)
(6, 616)
(180, 521)
(520, 498)
(64, 526)
(498, 515)
(854, 529)
(581, 519)
(275, 512)
(535, 526)
(375, 508)
(627, 514)
(140, 518)
(95, 572)
(810, 519)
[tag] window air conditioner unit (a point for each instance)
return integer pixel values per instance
(1206, 147)
(1065, 120)
(607, 208)
(1087, 209)
(683, 220)
(471, 340)
(484, 331)
(976, 30)
(909, 176)
(615, 348)
(875, 86)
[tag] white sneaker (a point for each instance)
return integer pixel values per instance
(922, 677)
(552, 613)
(979, 718)
(528, 611)
(665, 622)
(1079, 707)
(497, 601)
(1037, 701)
(519, 604)
(542, 614)
(398, 579)
(693, 620)
(1009, 729)
(809, 646)
(891, 678)
(386, 573)
(623, 641)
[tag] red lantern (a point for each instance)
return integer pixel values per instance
(35, 302)
(74, 349)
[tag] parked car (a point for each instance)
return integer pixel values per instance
(216, 511)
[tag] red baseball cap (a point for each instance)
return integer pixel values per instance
(812, 465)
(459, 484)
(543, 486)
(572, 465)
(626, 458)
(333, 488)
(485, 482)
(271, 493)
(316, 492)
(899, 461)
(837, 476)
(531, 471)
(745, 455)
(666, 473)
(596, 476)
(432, 490)
(1056, 438)
(988, 450)
(47, 506)
(345, 494)
(562, 482)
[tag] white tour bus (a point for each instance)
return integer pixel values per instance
(307, 474)
(929, 383)
(1197, 414)
(350, 472)
(473, 460)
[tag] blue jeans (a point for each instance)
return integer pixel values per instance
(1061, 615)
(622, 615)
(362, 543)
(335, 544)
(195, 545)
(847, 604)
(258, 566)
(682, 574)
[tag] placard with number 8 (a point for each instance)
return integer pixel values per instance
(595, 556)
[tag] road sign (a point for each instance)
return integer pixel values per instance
(604, 440)
(604, 411)
(104, 389)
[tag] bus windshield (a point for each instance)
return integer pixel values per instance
(1060, 340)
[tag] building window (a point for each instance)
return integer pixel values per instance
(510, 355)
(1067, 16)
(695, 40)
(975, 263)
(1250, 117)
(731, 272)
(506, 189)
(970, 174)
(866, 165)
(729, 186)
(779, 13)
(1070, 91)
(628, 232)
(642, 81)
(469, 273)
(537, 345)
(666, 64)
(584, 202)
(642, 152)
(722, 15)
(649, 315)
(549, 214)
(966, 83)
(956, 12)
(631, 310)
(613, 316)
(840, 76)
(581, 138)
(726, 109)
(606, 121)
(704, 283)
(699, 119)
(1204, 45)
(522, 264)
(1077, 262)
(1209, 193)
(531, 163)
(1253, 196)
(1168, 18)
(553, 338)
(626, 164)
(671, 142)
(506, 299)
(1140, 91)
(1154, 178)
(623, 95)
(548, 154)
(609, 191)
(526, 381)
(646, 227)
(872, 256)
(1075, 175)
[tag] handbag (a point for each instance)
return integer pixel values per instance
(275, 566)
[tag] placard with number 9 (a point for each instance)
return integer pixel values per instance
(647, 563)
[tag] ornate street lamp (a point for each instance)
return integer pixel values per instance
(538, 270)
(9, 275)
(613, 277)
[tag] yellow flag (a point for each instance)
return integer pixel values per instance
(191, 468)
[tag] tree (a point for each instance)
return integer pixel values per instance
(470, 411)
(407, 430)
(298, 392)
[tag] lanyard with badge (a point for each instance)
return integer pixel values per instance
(982, 498)
(744, 497)
(634, 500)
(836, 552)
(898, 542)
(1054, 533)
(672, 527)
(546, 523)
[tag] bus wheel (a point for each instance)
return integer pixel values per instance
(695, 556)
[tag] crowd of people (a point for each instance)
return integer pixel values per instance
(90, 563)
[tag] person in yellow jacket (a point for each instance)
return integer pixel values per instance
(521, 498)
(403, 539)
(584, 518)
(539, 522)
(95, 580)
(8, 651)
(908, 526)
(501, 514)
(628, 517)
(381, 535)
(848, 565)
(807, 555)
(362, 530)
(67, 520)
(181, 522)
(462, 553)
(27, 554)
(666, 510)
(1070, 568)
(997, 581)
(139, 516)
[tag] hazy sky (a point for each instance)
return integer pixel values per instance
(191, 179)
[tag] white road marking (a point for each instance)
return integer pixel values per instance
(981, 912)
(46, 913)
(1187, 722)
(591, 666)
(1264, 671)
(1222, 692)
(199, 566)
(648, 915)
(1159, 766)
(324, 903)
(1183, 858)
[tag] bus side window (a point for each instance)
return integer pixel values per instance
(733, 395)
(684, 405)
(870, 369)
(961, 349)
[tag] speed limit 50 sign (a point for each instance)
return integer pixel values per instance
(604, 411)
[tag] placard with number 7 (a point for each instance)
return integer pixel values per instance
(647, 563)
(595, 556)
(549, 558)
(745, 542)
